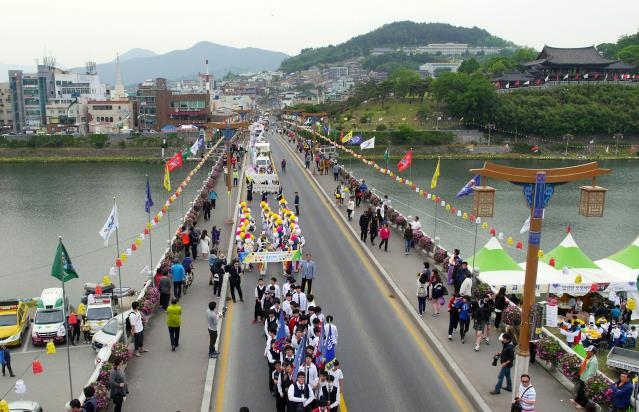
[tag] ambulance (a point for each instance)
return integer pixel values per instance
(50, 319)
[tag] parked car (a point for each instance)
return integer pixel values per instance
(107, 336)
(14, 321)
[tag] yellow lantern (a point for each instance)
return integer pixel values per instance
(578, 278)
(509, 240)
(149, 226)
(106, 280)
(540, 254)
(138, 242)
(4, 406)
(465, 216)
(123, 256)
(448, 207)
(262, 204)
(50, 348)
(484, 225)
(631, 303)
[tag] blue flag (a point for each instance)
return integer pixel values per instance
(319, 352)
(299, 354)
(355, 140)
(329, 350)
(468, 187)
(148, 203)
(280, 338)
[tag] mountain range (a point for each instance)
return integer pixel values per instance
(138, 64)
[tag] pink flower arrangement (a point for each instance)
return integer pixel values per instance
(400, 221)
(511, 315)
(417, 234)
(120, 351)
(105, 371)
(570, 364)
(102, 395)
(441, 255)
(598, 390)
(374, 200)
(549, 349)
(152, 294)
(425, 243)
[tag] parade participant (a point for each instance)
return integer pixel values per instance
(300, 298)
(300, 395)
(276, 288)
(173, 322)
(283, 165)
(260, 290)
(331, 394)
(235, 279)
(307, 272)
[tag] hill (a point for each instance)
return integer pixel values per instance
(136, 53)
(179, 64)
(404, 33)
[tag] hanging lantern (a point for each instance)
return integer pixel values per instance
(128, 251)
(123, 257)
(4, 406)
(465, 216)
(164, 209)
(483, 201)
(448, 208)
(138, 242)
(459, 213)
(50, 348)
(551, 262)
(106, 280)
(500, 236)
(509, 240)
(593, 288)
(147, 229)
(478, 220)
(471, 218)
(520, 244)
(453, 210)
(155, 219)
(20, 387)
(592, 202)
(36, 366)
(133, 247)
(485, 226)
(118, 262)
(540, 254)
(438, 199)
(578, 279)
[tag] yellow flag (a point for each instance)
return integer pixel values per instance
(433, 182)
(167, 179)
(348, 136)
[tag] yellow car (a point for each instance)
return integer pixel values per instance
(14, 321)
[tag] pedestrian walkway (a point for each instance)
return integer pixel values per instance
(162, 380)
(551, 396)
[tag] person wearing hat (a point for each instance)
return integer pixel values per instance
(587, 369)
(506, 359)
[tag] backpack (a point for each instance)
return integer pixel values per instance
(90, 401)
(127, 324)
(421, 290)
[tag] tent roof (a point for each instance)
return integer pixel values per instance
(169, 128)
(492, 257)
(568, 254)
(628, 256)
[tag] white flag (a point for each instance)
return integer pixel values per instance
(527, 83)
(368, 144)
(546, 79)
(566, 76)
(585, 76)
(526, 226)
(199, 143)
(508, 85)
(110, 225)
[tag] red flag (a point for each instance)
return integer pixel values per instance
(174, 162)
(517, 83)
(534, 149)
(406, 161)
(538, 82)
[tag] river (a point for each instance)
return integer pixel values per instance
(40, 202)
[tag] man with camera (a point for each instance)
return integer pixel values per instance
(505, 358)
(526, 396)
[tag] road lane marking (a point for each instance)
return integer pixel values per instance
(399, 309)
(224, 353)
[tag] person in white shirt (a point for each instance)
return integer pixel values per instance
(632, 337)
(310, 368)
(570, 334)
(277, 294)
(286, 306)
(297, 338)
(329, 326)
(299, 393)
(336, 372)
(350, 207)
(300, 298)
(416, 224)
(467, 285)
(526, 395)
(287, 286)
(137, 329)
(330, 393)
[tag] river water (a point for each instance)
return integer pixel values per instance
(40, 202)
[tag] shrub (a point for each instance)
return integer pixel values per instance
(441, 255)
(120, 351)
(511, 315)
(570, 364)
(549, 349)
(425, 243)
(380, 127)
(102, 395)
(400, 221)
(417, 234)
(598, 390)
(105, 371)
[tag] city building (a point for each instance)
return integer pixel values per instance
(6, 114)
(337, 72)
(110, 116)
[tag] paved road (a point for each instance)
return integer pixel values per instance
(386, 362)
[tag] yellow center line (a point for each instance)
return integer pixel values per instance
(399, 309)
(221, 377)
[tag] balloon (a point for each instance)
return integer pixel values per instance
(238, 238)
(280, 229)
(50, 348)
(247, 235)
(509, 240)
(631, 304)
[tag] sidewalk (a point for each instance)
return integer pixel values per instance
(476, 365)
(162, 380)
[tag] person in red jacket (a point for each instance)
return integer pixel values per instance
(384, 234)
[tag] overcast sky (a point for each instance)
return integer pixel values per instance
(75, 31)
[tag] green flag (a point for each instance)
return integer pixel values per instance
(62, 267)
(386, 155)
(186, 153)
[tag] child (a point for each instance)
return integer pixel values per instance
(632, 337)
(86, 329)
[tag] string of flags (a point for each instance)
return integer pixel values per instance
(405, 163)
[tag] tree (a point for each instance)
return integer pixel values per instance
(384, 89)
(466, 95)
(629, 54)
(402, 80)
(469, 66)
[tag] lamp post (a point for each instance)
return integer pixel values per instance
(490, 126)
(617, 137)
(538, 187)
(567, 137)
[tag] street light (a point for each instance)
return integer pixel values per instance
(538, 187)
(567, 137)
(617, 137)
(490, 126)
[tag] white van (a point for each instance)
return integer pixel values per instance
(50, 318)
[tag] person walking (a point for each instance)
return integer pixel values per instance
(205, 244)
(117, 384)
(137, 328)
(453, 315)
(350, 207)
(588, 368)
(206, 207)
(336, 171)
(283, 165)
(408, 238)
(466, 284)
(260, 290)
(500, 304)
(173, 322)
(296, 203)
(384, 235)
(178, 273)
(213, 198)
(307, 273)
(164, 286)
(5, 360)
(481, 314)
(505, 359)
(364, 220)
(463, 308)
(422, 292)
(374, 228)
(235, 279)
(74, 326)
(300, 395)
(236, 177)
(526, 395)
(437, 293)
(213, 316)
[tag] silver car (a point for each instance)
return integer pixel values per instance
(24, 406)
